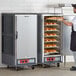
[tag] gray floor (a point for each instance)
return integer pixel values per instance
(50, 71)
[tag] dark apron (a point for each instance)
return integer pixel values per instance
(73, 40)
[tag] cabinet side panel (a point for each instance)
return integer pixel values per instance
(8, 39)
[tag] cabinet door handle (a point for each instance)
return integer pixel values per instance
(16, 34)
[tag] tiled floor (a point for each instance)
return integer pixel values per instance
(39, 71)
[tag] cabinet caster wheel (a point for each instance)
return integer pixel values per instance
(58, 64)
(33, 67)
(44, 66)
(8, 66)
(17, 69)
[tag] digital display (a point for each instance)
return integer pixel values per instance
(52, 59)
(26, 61)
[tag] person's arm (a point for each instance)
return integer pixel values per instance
(67, 23)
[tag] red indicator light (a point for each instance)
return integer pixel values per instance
(51, 59)
(24, 61)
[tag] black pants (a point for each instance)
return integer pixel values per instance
(73, 41)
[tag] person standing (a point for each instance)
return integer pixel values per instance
(73, 36)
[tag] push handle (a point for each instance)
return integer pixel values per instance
(16, 34)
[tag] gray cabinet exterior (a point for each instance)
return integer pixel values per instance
(19, 39)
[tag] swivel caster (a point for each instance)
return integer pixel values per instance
(33, 67)
(58, 64)
(44, 66)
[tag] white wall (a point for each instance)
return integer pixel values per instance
(30, 6)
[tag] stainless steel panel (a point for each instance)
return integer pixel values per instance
(27, 36)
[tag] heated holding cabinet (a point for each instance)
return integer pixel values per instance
(51, 39)
(19, 39)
